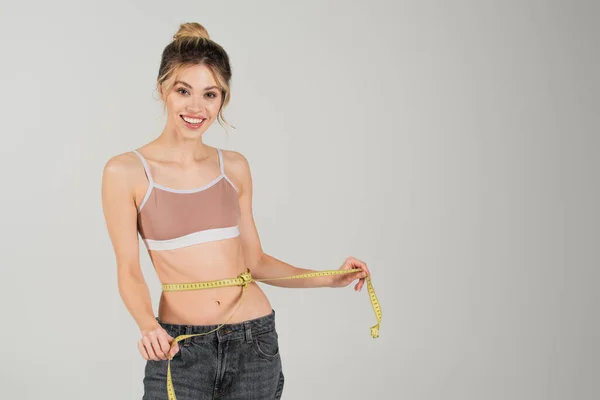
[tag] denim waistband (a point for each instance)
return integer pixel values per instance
(238, 330)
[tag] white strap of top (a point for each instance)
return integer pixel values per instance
(221, 162)
(146, 168)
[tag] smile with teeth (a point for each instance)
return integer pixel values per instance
(194, 121)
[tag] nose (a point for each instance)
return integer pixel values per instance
(195, 104)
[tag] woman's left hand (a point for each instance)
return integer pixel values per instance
(341, 280)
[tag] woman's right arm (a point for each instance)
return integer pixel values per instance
(120, 214)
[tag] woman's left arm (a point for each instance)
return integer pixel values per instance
(264, 266)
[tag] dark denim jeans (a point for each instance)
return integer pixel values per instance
(238, 362)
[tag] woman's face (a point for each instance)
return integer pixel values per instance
(194, 96)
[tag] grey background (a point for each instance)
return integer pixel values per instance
(452, 145)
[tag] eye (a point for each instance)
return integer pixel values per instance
(180, 89)
(213, 94)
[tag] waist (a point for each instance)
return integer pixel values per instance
(209, 307)
(230, 331)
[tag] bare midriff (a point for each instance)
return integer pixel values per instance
(221, 259)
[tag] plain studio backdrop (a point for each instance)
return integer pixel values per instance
(452, 145)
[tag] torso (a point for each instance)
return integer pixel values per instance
(218, 259)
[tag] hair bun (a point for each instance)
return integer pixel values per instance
(191, 29)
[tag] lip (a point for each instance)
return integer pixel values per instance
(193, 126)
(192, 116)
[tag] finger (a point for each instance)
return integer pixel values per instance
(358, 285)
(367, 269)
(361, 274)
(164, 344)
(350, 263)
(363, 266)
(353, 262)
(142, 350)
(157, 350)
(174, 347)
(354, 277)
(356, 274)
(175, 350)
(148, 346)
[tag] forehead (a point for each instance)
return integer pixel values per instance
(197, 76)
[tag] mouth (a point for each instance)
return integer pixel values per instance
(192, 123)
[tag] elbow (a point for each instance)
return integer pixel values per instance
(129, 282)
(128, 271)
(255, 259)
(260, 257)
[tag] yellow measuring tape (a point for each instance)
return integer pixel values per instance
(243, 280)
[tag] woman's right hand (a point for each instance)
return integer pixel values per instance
(155, 344)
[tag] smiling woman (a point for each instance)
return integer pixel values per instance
(192, 206)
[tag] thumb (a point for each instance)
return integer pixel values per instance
(174, 349)
(174, 346)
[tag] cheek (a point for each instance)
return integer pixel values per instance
(176, 103)
(214, 108)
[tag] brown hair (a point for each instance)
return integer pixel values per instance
(191, 45)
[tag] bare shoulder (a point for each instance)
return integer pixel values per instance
(124, 176)
(235, 159)
(124, 167)
(237, 168)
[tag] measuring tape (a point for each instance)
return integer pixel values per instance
(243, 280)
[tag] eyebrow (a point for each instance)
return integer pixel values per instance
(190, 86)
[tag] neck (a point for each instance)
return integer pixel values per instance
(184, 150)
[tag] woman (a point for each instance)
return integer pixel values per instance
(192, 205)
